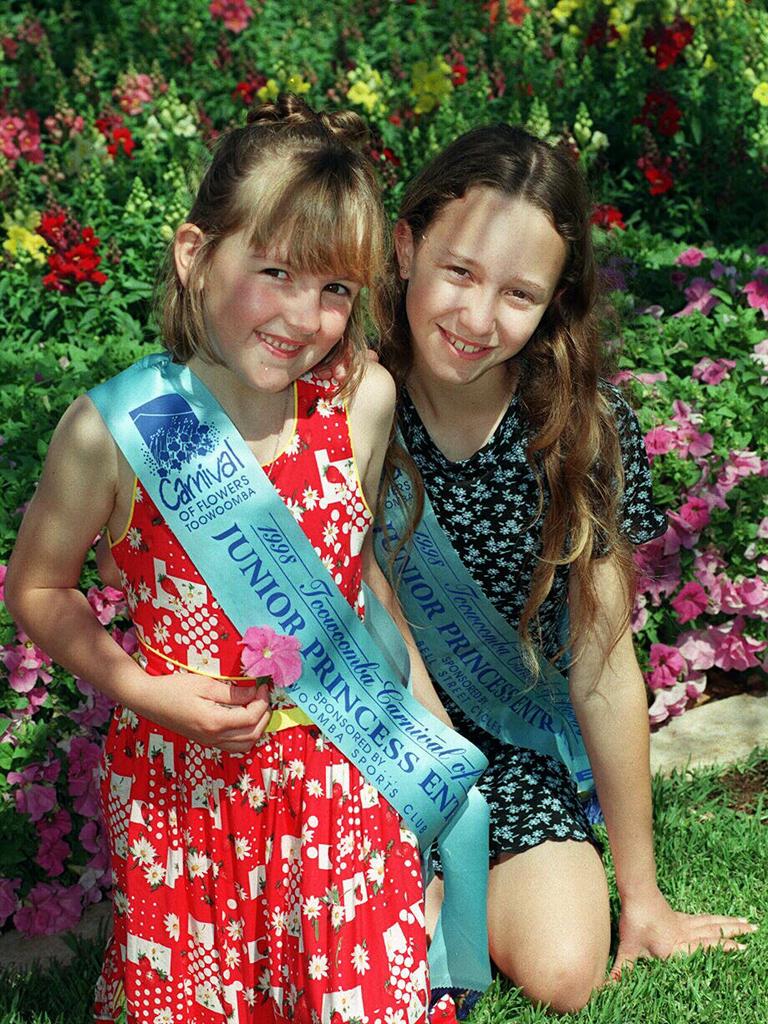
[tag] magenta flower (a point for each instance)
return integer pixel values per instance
(689, 602)
(8, 898)
(754, 595)
(234, 13)
(659, 441)
(126, 638)
(690, 257)
(84, 757)
(710, 371)
(733, 650)
(3, 571)
(762, 529)
(760, 356)
(700, 298)
(25, 663)
(106, 603)
(757, 293)
(35, 800)
(695, 512)
(639, 613)
(267, 653)
(668, 704)
(658, 570)
(49, 908)
(668, 664)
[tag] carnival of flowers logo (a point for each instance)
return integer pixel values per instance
(173, 433)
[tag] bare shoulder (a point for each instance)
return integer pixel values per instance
(81, 444)
(375, 394)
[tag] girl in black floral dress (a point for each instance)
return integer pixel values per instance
(536, 470)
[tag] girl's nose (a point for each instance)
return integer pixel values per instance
(478, 315)
(303, 313)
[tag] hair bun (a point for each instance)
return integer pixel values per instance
(292, 111)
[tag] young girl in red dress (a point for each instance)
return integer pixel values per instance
(257, 876)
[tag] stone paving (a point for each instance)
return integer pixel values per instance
(721, 732)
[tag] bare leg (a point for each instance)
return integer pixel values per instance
(549, 922)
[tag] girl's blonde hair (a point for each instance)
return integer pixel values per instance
(290, 175)
(574, 443)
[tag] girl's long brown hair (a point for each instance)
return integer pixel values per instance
(574, 447)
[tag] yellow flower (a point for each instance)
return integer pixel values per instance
(431, 83)
(563, 10)
(296, 83)
(270, 91)
(761, 94)
(23, 243)
(366, 88)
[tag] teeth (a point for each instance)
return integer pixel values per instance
(462, 347)
(283, 346)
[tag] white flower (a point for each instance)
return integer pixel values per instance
(236, 928)
(242, 847)
(294, 445)
(330, 533)
(161, 633)
(376, 869)
(134, 537)
(310, 497)
(164, 1016)
(120, 902)
(307, 833)
(154, 874)
(144, 592)
(314, 788)
(249, 995)
(346, 845)
(278, 921)
(138, 495)
(337, 916)
(197, 864)
(324, 407)
(296, 768)
(318, 966)
(394, 1016)
(312, 907)
(171, 922)
(257, 798)
(143, 851)
(231, 957)
(360, 960)
(130, 597)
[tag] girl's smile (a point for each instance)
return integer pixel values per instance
(479, 282)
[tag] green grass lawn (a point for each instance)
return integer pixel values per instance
(712, 851)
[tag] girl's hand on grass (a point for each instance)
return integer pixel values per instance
(651, 928)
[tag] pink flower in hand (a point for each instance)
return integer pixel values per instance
(710, 371)
(689, 602)
(267, 653)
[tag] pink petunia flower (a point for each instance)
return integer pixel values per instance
(267, 653)
(9, 901)
(754, 595)
(668, 703)
(710, 371)
(658, 570)
(35, 800)
(84, 757)
(639, 613)
(757, 294)
(690, 257)
(49, 908)
(762, 529)
(668, 664)
(689, 602)
(734, 650)
(25, 663)
(106, 603)
(698, 649)
(695, 512)
(760, 356)
(700, 298)
(659, 441)
(3, 571)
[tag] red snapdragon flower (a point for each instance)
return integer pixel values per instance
(666, 42)
(660, 112)
(118, 137)
(74, 259)
(606, 217)
(247, 89)
(657, 174)
(601, 33)
(515, 11)
(459, 69)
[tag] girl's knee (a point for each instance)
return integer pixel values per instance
(563, 978)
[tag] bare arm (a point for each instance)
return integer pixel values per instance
(371, 414)
(608, 697)
(74, 499)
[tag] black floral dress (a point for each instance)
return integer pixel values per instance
(487, 506)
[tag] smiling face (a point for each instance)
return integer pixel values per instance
(479, 282)
(267, 321)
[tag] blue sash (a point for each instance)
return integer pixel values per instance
(262, 568)
(471, 650)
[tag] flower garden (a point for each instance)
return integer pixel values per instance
(102, 131)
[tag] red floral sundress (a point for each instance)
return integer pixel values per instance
(277, 885)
